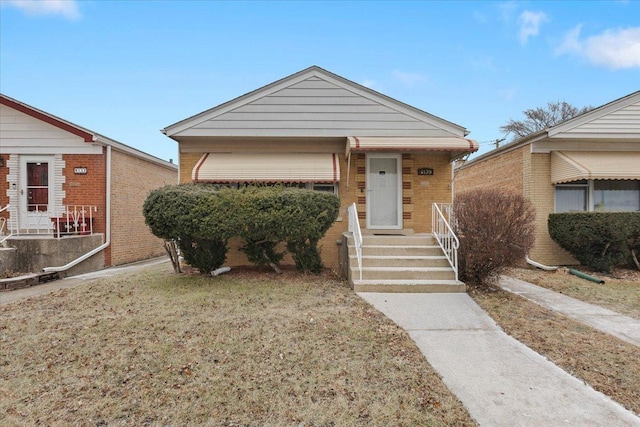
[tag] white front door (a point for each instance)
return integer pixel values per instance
(384, 191)
(36, 192)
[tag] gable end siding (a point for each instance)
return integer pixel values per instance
(314, 107)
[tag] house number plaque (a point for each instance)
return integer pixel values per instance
(80, 171)
(425, 171)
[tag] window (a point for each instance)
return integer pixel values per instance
(616, 195)
(572, 197)
(598, 195)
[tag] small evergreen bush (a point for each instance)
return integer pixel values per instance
(599, 240)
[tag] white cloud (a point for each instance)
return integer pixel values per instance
(67, 8)
(614, 48)
(408, 79)
(530, 23)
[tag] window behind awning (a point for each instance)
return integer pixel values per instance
(457, 144)
(567, 166)
(267, 167)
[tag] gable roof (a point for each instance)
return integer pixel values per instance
(617, 120)
(86, 134)
(314, 102)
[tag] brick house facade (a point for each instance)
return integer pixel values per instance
(593, 156)
(79, 170)
(317, 113)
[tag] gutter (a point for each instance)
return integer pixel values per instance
(106, 244)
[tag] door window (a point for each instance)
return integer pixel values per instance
(37, 186)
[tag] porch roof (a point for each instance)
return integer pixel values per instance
(267, 167)
(567, 166)
(454, 144)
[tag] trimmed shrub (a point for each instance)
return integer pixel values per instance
(203, 217)
(198, 217)
(294, 216)
(599, 240)
(203, 254)
(496, 231)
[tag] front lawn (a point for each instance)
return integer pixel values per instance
(244, 348)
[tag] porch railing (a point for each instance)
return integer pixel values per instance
(354, 228)
(4, 232)
(65, 220)
(441, 228)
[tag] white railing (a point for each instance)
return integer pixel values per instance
(3, 226)
(354, 228)
(65, 220)
(443, 233)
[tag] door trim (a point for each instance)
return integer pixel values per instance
(25, 222)
(398, 158)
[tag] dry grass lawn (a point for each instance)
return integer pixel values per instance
(256, 349)
(621, 293)
(608, 364)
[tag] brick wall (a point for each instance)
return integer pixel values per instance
(132, 179)
(504, 172)
(541, 193)
(89, 189)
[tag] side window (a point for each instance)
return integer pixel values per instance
(331, 188)
(572, 197)
(616, 195)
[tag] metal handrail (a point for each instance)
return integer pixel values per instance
(354, 228)
(63, 220)
(3, 226)
(444, 234)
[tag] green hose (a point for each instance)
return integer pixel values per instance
(585, 276)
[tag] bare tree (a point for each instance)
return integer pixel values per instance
(541, 118)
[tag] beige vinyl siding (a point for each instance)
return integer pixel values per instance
(314, 107)
(625, 121)
(621, 119)
(23, 134)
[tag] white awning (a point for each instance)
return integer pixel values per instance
(457, 144)
(267, 167)
(567, 166)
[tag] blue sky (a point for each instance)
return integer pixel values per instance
(126, 69)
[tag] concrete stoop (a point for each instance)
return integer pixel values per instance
(413, 263)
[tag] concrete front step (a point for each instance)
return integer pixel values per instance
(417, 239)
(400, 261)
(398, 250)
(409, 286)
(404, 273)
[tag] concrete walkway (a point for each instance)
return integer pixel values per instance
(624, 327)
(498, 379)
(73, 281)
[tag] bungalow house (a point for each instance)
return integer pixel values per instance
(588, 163)
(387, 161)
(71, 199)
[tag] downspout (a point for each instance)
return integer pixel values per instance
(106, 244)
(538, 265)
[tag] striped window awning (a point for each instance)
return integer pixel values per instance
(267, 167)
(457, 144)
(567, 166)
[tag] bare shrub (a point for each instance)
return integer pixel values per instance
(496, 231)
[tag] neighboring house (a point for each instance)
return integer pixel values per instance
(588, 163)
(318, 130)
(71, 191)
